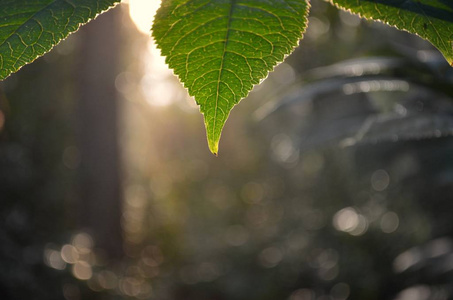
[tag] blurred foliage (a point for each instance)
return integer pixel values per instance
(298, 206)
(35, 180)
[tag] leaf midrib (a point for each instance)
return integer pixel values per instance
(227, 35)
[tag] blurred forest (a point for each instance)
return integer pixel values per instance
(334, 179)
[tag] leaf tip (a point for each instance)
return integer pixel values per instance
(214, 146)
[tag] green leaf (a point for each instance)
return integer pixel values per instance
(30, 28)
(430, 19)
(221, 48)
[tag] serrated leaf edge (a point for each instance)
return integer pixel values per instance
(214, 146)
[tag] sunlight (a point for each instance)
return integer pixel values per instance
(156, 85)
(140, 12)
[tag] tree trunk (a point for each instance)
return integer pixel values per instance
(100, 176)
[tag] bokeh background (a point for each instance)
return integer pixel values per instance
(334, 179)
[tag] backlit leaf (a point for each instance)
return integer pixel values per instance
(30, 28)
(221, 48)
(430, 19)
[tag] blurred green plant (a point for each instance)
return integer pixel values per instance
(218, 48)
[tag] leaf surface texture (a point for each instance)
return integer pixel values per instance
(30, 28)
(430, 19)
(220, 49)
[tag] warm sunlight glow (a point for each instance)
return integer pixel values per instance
(142, 13)
(156, 85)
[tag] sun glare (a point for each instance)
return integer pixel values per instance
(142, 13)
(155, 85)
